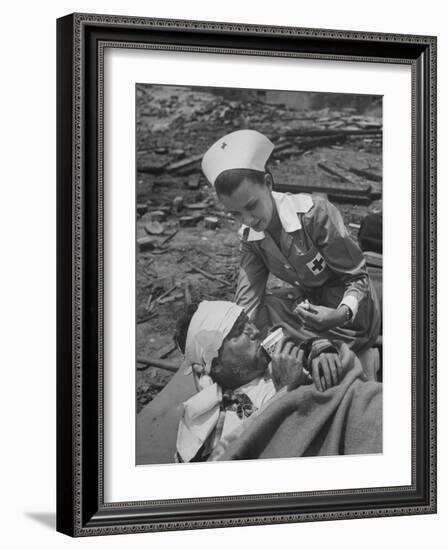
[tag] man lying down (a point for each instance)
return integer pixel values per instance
(297, 400)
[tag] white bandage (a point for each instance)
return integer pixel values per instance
(209, 326)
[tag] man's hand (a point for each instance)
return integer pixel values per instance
(321, 318)
(326, 371)
(286, 365)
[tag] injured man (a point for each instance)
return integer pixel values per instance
(270, 398)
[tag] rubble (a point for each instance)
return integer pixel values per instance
(178, 203)
(167, 239)
(199, 242)
(194, 181)
(159, 363)
(142, 209)
(190, 221)
(158, 215)
(147, 167)
(340, 176)
(182, 164)
(211, 222)
(197, 206)
(366, 173)
(154, 228)
(362, 195)
(208, 275)
(145, 244)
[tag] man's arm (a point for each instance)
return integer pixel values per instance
(318, 356)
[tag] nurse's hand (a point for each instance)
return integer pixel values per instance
(321, 318)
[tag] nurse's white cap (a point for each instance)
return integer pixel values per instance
(241, 149)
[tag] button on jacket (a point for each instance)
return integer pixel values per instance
(318, 257)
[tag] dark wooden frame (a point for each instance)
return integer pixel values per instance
(81, 39)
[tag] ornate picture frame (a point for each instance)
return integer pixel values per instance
(81, 506)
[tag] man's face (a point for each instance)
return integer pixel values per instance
(251, 203)
(241, 356)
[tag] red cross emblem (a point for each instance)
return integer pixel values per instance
(317, 265)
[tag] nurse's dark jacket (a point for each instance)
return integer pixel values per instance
(317, 257)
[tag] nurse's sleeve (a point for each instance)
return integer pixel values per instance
(326, 228)
(252, 279)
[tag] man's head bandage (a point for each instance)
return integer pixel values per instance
(210, 324)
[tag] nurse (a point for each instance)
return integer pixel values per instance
(302, 240)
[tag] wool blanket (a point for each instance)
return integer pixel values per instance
(345, 419)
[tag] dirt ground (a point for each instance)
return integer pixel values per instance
(175, 126)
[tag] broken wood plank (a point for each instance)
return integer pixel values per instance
(146, 243)
(165, 294)
(197, 206)
(175, 166)
(187, 294)
(324, 141)
(372, 176)
(211, 222)
(167, 239)
(351, 199)
(369, 124)
(171, 298)
(333, 172)
(148, 302)
(288, 152)
(156, 362)
(291, 147)
(148, 262)
(208, 275)
(151, 167)
(314, 132)
(336, 124)
(336, 195)
(190, 221)
(166, 350)
(283, 145)
(363, 190)
(146, 318)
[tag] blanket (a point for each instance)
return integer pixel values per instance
(345, 419)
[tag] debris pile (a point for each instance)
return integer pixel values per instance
(187, 245)
(294, 133)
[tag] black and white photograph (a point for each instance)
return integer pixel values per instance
(246, 275)
(258, 287)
